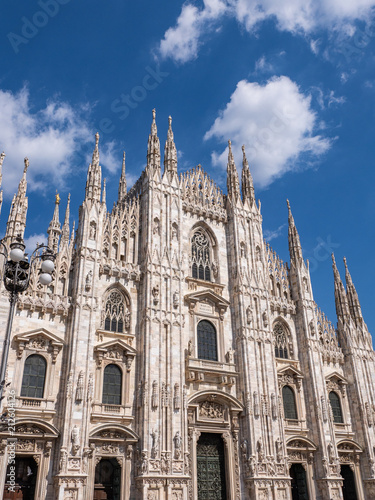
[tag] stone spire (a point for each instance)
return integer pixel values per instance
(54, 228)
(17, 217)
(233, 184)
(352, 296)
(2, 156)
(170, 152)
(153, 147)
(94, 175)
(65, 229)
(295, 249)
(247, 180)
(122, 184)
(342, 307)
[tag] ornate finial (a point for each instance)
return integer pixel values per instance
(170, 121)
(123, 157)
(333, 259)
(230, 144)
(69, 198)
(96, 139)
(57, 198)
(2, 156)
(153, 114)
(26, 161)
(345, 264)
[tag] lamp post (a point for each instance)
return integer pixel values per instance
(16, 277)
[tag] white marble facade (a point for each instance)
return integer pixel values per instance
(130, 291)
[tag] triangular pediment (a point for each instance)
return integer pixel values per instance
(290, 370)
(335, 375)
(115, 344)
(40, 332)
(207, 295)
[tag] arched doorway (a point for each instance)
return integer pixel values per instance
(211, 467)
(107, 480)
(299, 482)
(24, 475)
(348, 488)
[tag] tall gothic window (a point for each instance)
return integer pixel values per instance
(200, 256)
(112, 385)
(336, 408)
(290, 409)
(34, 375)
(207, 341)
(116, 314)
(281, 341)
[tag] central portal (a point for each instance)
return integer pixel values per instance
(211, 467)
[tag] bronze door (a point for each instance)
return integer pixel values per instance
(25, 478)
(211, 467)
(107, 480)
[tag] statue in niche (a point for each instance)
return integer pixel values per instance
(279, 450)
(190, 348)
(154, 443)
(260, 450)
(176, 299)
(79, 391)
(177, 445)
(88, 281)
(155, 294)
(92, 232)
(230, 355)
(249, 315)
(76, 441)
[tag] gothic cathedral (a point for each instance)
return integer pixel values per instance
(174, 356)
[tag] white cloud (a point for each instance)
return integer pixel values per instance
(275, 122)
(270, 235)
(33, 240)
(48, 137)
(262, 65)
(181, 42)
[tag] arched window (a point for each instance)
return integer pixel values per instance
(336, 408)
(116, 314)
(290, 410)
(281, 342)
(200, 256)
(207, 342)
(34, 375)
(112, 385)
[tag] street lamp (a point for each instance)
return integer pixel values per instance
(16, 277)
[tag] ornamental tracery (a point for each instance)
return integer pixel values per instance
(116, 314)
(200, 256)
(281, 341)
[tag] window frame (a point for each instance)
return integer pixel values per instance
(204, 347)
(278, 345)
(34, 355)
(121, 395)
(110, 322)
(202, 271)
(294, 402)
(339, 405)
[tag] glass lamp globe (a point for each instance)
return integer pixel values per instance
(45, 278)
(16, 254)
(48, 266)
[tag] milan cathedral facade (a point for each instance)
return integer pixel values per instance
(174, 356)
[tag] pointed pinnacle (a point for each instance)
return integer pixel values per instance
(154, 129)
(26, 161)
(347, 273)
(2, 156)
(123, 163)
(244, 160)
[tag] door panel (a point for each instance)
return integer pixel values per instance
(211, 467)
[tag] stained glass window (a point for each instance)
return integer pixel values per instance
(34, 375)
(281, 342)
(290, 410)
(336, 408)
(207, 342)
(112, 385)
(200, 255)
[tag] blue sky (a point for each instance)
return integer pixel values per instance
(292, 81)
